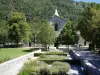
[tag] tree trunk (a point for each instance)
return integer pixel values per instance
(93, 44)
(4, 43)
(94, 47)
(30, 44)
(17, 42)
(46, 47)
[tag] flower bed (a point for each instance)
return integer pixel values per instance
(35, 67)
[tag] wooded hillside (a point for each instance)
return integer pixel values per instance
(42, 9)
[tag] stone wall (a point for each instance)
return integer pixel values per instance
(59, 21)
(11, 63)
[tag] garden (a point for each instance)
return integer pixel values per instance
(47, 63)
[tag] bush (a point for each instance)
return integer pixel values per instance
(34, 67)
(63, 64)
(38, 54)
(13, 46)
(60, 68)
(52, 58)
(51, 53)
(45, 70)
(55, 52)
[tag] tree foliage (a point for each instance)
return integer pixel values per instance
(42, 9)
(46, 34)
(18, 29)
(3, 32)
(68, 35)
(89, 25)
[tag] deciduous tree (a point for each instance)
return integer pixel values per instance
(68, 35)
(18, 28)
(89, 25)
(46, 34)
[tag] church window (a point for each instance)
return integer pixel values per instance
(56, 27)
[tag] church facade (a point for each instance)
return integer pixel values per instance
(57, 22)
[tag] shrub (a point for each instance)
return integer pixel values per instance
(60, 68)
(63, 64)
(44, 70)
(55, 52)
(51, 53)
(34, 67)
(52, 57)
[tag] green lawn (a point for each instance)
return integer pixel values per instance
(10, 53)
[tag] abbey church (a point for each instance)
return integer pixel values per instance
(57, 22)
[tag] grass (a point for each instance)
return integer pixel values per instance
(10, 53)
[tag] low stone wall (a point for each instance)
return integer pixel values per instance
(12, 63)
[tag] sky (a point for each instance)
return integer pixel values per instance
(97, 1)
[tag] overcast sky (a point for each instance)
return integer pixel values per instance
(97, 1)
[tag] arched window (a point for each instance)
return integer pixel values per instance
(56, 27)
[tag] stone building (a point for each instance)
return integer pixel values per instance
(57, 22)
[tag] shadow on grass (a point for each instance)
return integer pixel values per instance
(29, 50)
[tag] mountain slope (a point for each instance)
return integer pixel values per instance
(41, 9)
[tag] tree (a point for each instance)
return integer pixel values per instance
(3, 32)
(68, 35)
(35, 28)
(43, 9)
(18, 28)
(46, 34)
(89, 25)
